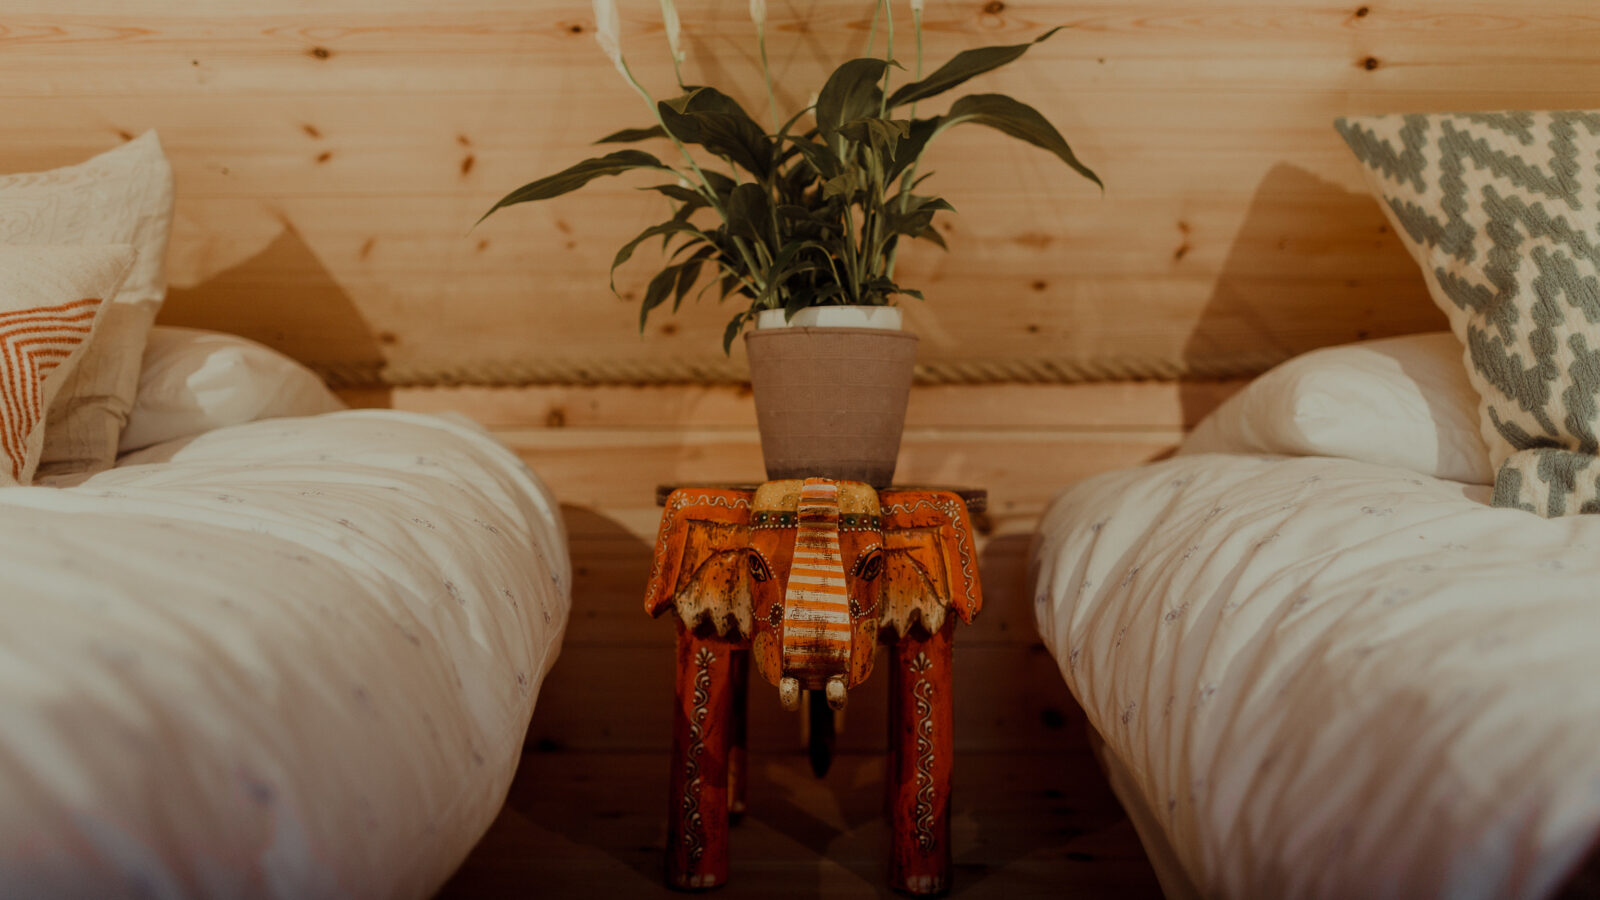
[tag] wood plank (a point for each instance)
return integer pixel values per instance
(1277, 46)
(332, 155)
(593, 824)
(1159, 143)
(616, 471)
(1336, 229)
(334, 290)
(1124, 406)
(311, 278)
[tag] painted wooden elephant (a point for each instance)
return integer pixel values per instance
(809, 576)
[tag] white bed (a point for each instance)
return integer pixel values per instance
(1322, 677)
(290, 658)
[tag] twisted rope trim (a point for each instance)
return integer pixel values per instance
(595, 372)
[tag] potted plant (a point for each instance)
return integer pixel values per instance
(805, 231)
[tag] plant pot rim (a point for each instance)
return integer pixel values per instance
(876, 318)
(819, 331)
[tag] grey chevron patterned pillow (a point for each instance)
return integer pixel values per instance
(1502, 212)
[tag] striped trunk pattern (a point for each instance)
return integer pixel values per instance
(33, 342)
(816, 607)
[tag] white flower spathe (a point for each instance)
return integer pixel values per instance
(758, 12)
(669, 18)
(608, 32)
(916, 7)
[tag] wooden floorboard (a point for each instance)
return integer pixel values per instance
(593, 825)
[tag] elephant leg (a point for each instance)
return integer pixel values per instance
(738, 775)
(697, 820)
(921, 758)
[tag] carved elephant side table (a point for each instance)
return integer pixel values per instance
(807, 576)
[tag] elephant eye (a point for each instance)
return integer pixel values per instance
(758, 567)
(870, 566)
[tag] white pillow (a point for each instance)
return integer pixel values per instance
(193, 381)
(1403, 402)
(122, 196)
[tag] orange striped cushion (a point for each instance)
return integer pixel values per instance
(51, 299)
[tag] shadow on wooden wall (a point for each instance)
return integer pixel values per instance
(316, 321)
(1303, 231)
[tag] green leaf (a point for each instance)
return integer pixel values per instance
(840, 185)
(660, 288)
(909, 150)
(791, 213)
(717, 122)
(680, 216)
(781, 142)
(850, 93)
(721, 184)
(678, 192)
(1018, 120)
(665, 228)
(787, 263)
(799, 222)
(886, 288)
(631, 135)
(691, 242)
(821, 158)
(749, 214)
(917, 216)
(880, 134)
(828, 293)
(732, 331)
(574, 177)
(932, 235)
(688, 274)
(963, 66)
(797, 302)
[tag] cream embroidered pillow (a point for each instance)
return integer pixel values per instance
(52, 299)
(122, 196)
(1502, 212)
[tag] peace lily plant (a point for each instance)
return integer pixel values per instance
(812, 211)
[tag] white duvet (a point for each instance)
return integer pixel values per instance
(293, 658)
(1324, 678)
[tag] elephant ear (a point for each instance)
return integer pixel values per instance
(700, 564)
(930, 560)
(717, 593)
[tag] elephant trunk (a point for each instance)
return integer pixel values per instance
(816, 603)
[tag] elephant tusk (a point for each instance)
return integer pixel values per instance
(836, 693)
(789, 692)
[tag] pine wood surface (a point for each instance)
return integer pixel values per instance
(1024, 825)
(332, 156)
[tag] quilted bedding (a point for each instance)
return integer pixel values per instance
(293, 658)
(1322, 678)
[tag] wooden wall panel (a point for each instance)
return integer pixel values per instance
(332, 156)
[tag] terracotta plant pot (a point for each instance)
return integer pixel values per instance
(831, 402)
